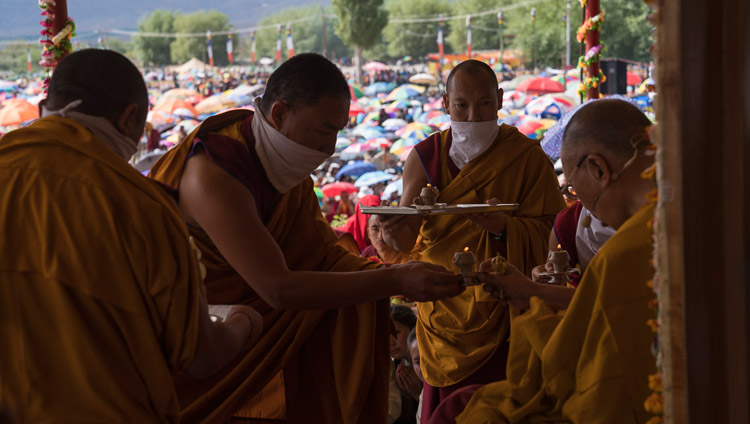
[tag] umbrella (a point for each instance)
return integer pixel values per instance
(184, 112)
(356, 91)
(368, 132)
(355, 109)
(425, 117)
(7, 86)
(633, 78)
(375, 66)
(394, 124)
(399, 146)
(215, 103)
(188, 125)
(440, 119)
(179, 93)
(423, 78)
(369, 178)
(379, 87)
(355, 169)
(335, 189)
(398, 104)
(318, 193)
(394, 187)
(359, 148)
(16, 112)
(159, 118)
(169, 105)
(404, 92)
(380, 142)
(531, 126)
(342, 142)
(405, 153)
(436, 104)
(512, 84)
(247, 90)
(549, 107)
(540, 85)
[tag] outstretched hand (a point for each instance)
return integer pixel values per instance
(424, 282)
(516, 287)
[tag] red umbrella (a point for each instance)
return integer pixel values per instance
(540, 85)
(355, 109)
(335, 189)
(633, 78)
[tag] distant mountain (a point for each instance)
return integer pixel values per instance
(20, 18)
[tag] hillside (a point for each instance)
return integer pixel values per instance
(20, 18)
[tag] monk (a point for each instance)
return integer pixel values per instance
(463, 340)
(591, 365)
(243, 184)
(100, 291)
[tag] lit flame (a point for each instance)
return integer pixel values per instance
(466, 249)
(559, 247)
(429, 185)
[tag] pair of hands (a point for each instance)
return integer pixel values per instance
(408, 381)
(425, 282)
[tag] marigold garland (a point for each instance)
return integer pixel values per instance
(54, 46)
(655, 402)
(591, 82)
(593, 23)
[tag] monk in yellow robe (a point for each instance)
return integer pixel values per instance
(590, 365)
(243, 184)
(100, 292)
(463, 340)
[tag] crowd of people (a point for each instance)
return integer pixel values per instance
(218, 288)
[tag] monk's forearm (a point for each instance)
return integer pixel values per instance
(327, 290)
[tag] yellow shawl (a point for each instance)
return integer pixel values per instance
(458, 335)
(335, 362)
(591, 365)
(99, 286)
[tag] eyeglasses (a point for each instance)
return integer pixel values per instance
(567, 190)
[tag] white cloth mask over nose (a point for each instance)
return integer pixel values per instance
(286, 162)
(100, 127)
(471, 139)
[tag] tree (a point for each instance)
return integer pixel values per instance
(546, 36)
(360, 23)
(415, 39)
(13, 58)
(185, 48)
(154, 50)
(484, 34)
(626, 32)
(307, 34)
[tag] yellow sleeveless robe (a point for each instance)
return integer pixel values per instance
(458, 335)
(592, 364)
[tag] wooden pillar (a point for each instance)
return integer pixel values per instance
(703, 80)
(592, 40)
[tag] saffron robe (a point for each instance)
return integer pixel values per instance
(458, 335)
(335, 362)
(591, 365)
(99, 285)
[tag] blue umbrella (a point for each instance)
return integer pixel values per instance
(355, 169)
(379, 87)
(373, 177)
(394, 187)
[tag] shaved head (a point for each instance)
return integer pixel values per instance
(106, 81)
(474, 69)
(611, 124)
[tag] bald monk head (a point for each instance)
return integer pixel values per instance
(471, 93)
(307, 99)
(108, 85)
(603, 155)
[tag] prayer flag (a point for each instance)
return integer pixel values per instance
(289, 41)
(440, 37)
(468, 35)
(209, 49)
(230, 49)
(278, 45)
(252, 47)
(28, 58)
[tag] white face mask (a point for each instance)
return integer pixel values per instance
(286, 162)
(471, 139)
(100, 127)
